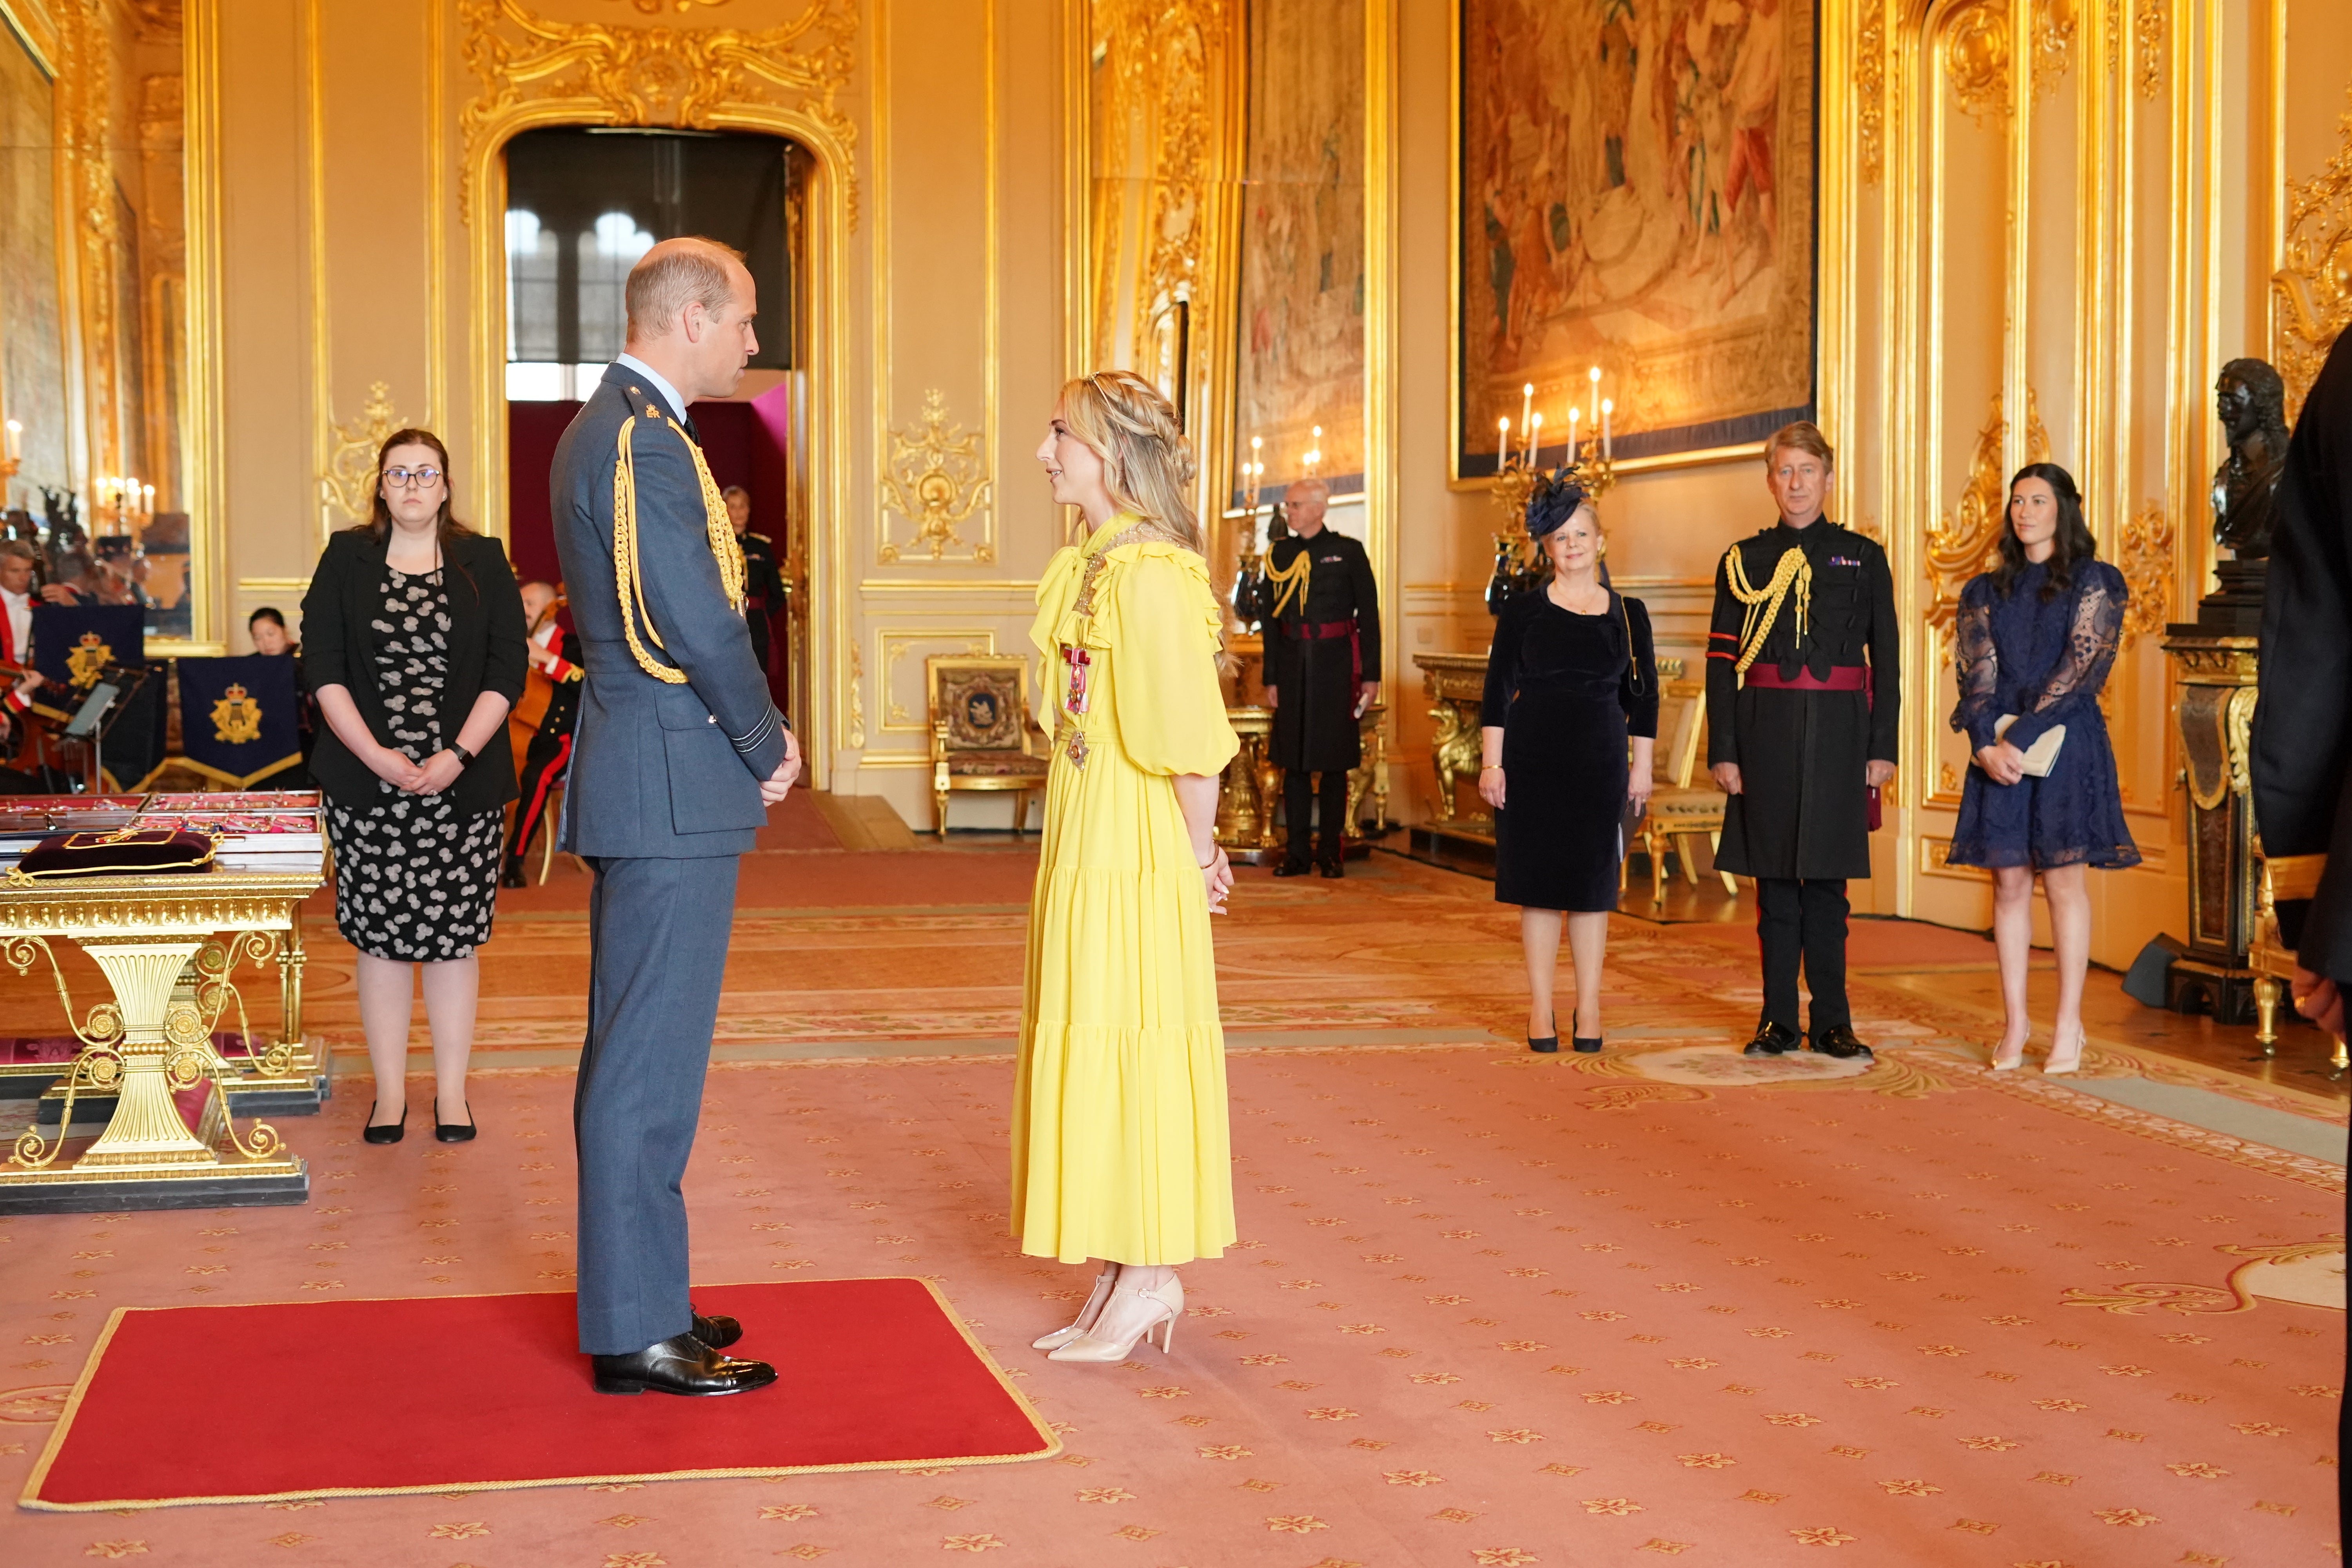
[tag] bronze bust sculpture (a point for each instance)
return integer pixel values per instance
(2252, 402)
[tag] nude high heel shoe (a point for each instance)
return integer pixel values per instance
(1086, 1314)
(2007, 1062)
(1129, 1315)
(2052, 1067)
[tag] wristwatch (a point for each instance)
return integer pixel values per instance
(462, 754)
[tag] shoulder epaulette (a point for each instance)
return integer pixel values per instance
(754, 534)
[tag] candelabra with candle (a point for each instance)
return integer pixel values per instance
(12, 449)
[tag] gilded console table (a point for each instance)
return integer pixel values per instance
(1252, 786)
(160, 941)
(1455, 684)
(2215, 710)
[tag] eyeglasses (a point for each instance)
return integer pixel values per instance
(400, 479)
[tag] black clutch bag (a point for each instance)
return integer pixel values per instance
(124, 852)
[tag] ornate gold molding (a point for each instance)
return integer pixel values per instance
(2055, 25)
(937, 477)
(2144, 555)
(857, 738)
(350, 463)
(85, 90)
(2147, 29)
(684, 77)
(655, 8)
(1870, 87)
(1962, 543)
(1976, 58)
(2312, 290)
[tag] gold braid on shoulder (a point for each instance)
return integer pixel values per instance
(1290, 583)
(1764, 604)
(724, 547)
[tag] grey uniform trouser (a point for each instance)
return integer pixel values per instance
(657, 933)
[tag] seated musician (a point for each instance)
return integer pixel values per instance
(19, 679)
(544, 717)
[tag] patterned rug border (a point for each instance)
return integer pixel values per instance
(2241, 1151)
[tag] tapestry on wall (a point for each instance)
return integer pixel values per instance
(32, 318)
(1636, 194)
(1302, 253)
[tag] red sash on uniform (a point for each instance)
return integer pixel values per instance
(1305, 631)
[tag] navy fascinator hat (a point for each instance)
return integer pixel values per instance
(1553, 502)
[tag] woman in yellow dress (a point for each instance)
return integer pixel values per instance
(1120, 1145)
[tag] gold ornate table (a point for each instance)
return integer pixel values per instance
(1252, 786)
(168, 946)
(2215, 710)
(1455, 684)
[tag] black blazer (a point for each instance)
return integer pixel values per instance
(485, 654)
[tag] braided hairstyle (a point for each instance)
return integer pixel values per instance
(1146, 461)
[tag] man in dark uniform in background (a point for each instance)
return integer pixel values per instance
(1802, 696)
(764, 581)
(554, 656)
(1322, 670)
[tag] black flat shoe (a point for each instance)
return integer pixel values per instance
(450, 1132)
(1335, 869)
(717, 1332)
(1546, 1043)
(1293, 868)
(682, 1365)
(513, 875)
(391, 1132)
(1772, 1040)
(1588, 1043)
(1839, 1041)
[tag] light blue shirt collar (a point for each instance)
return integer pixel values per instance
(661, 383)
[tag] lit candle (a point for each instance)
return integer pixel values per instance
(1502, 442)
(1594, 376)
(1535, 437)
(147, 500)
(1606, 405)
(16, 440)
(1527, 403)
(1575, 419)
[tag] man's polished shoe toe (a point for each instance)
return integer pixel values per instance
(1771, 1040)
(1331, 868)
(1840, 1040)
(718, 1333)
(683, 1365)
(1293, 868)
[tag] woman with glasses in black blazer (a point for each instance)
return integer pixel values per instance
(413, 644)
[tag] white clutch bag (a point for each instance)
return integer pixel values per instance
(2041, 756)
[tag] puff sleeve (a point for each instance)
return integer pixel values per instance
(1161, 629)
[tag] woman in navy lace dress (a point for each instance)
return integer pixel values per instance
(2033, 642)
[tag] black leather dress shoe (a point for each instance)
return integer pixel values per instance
(453, 1132)
(1772, 1040)
(682, 1365)
(1293, 868)
(513, 875)
(717, 1332)
(1840, 1040)
(389, 1133)
(1333, 868)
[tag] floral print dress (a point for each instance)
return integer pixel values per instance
(416, 879)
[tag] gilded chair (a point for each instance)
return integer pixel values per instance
(983, 736)
(2285, 879)
(1678, 807)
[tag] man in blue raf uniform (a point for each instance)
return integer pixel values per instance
(1801, 700)
(680, 753)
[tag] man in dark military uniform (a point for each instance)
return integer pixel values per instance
(1322, 670)
(1802, 696)
(764, 580)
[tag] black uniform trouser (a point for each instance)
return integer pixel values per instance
(1802, 918)
(542, 769)
(1300, 792)
(755, 621)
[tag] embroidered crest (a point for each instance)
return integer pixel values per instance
(87, 662)
(237, 718)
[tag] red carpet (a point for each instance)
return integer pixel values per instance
(874, 1374)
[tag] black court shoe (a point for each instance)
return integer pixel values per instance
(512, 877)
(450, 1132)
(391, 1132)
(682, 1365)
(1548, 1042)
(1334, 868)
(718, 1333)
(1772, 1040)
(1293, 868)
(1840, 1040)
(1588, 1043)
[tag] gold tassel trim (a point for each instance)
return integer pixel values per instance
(1290, 583)
(724, 547)
(1764, 604)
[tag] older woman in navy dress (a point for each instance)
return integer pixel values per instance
(2034, 642)
(1569, 678)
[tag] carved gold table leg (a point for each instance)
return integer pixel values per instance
(161, 1044)
(2266, 1003)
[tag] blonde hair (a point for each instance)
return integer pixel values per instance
(1147, 462)
(1803, 435)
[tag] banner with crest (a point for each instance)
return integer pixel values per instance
(240, 719)
(74, 644)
